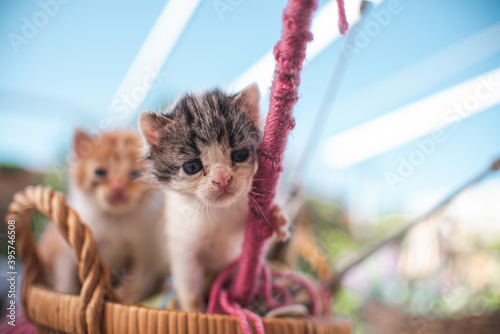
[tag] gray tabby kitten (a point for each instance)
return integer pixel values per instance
(204, 151)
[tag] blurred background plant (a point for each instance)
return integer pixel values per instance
(446, 267)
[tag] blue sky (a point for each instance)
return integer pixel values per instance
(67, 72)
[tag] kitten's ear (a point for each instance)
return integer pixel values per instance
(249, 97)
(150, 124)
(82, 143)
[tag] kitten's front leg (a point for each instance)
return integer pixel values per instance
(130, 276)
(141, 277)
(66, 273)
(129, 292)
(188, 280)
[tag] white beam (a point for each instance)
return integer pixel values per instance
(413, 121)
(148, 62)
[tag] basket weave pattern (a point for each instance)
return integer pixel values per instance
(96, 309)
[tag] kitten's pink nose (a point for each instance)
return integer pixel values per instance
(118, 188)
(222, 180)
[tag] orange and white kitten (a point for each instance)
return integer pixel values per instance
(122, 209)
(204, 152)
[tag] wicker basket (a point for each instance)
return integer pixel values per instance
(386, 319)
(97, 310)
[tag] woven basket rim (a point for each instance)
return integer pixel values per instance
(57, 311)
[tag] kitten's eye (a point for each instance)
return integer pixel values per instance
(135, 174)
(100, 172)
(193, 167)
(240, 155)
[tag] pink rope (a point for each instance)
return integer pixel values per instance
(268, 288)
(308, 286)
(343, 24)
(221, 302)
(259, 325)
(242, 314)
(217, 286)
(289, 53)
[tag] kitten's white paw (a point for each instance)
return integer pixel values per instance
(280, 223)
(192, 303)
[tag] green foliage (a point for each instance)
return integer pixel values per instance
(56, 178)
(349, 303)
(491, 301)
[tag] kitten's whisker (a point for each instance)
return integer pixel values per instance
(262, 189)
(262, 211)
(255, 193)
(197, 213)
(205, 205)
(253, 203)
(202, 220)
(213, 211)
(208, 210)
(258, 207)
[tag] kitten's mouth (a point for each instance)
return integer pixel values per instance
(225, 194)
(116, 200)
(222, 195)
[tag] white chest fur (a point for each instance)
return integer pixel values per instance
(135, 234)
(211, 236)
